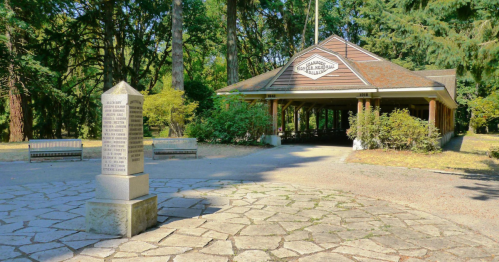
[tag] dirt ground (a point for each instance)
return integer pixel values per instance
(92, 150)
(466, 154)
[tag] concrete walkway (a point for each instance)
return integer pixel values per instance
(469, 200)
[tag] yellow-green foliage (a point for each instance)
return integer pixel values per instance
(399, 130)
(483, 110)
(168, 108)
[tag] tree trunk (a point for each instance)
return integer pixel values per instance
(177, 52)
(232, 66)
(19, 125)
(177, 61)
(108, 44)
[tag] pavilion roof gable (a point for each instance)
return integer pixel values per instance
(345, 75)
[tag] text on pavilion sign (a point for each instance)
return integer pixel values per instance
(315, 67)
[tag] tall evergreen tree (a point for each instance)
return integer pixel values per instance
(232, 64)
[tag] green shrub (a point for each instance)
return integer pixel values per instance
(399, 130)
(493, 152)
(240, 123)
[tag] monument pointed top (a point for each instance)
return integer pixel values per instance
(122, 88)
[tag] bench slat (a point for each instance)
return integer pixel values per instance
(55, 147)
(165, 146)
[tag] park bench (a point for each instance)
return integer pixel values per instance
(174, 146)
(55, 148)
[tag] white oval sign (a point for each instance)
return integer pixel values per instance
(315, 67)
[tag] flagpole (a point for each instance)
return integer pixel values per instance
(316, 21)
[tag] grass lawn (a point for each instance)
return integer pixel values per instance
(92, 149)
(463, 154)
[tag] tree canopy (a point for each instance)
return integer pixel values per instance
(58, 56)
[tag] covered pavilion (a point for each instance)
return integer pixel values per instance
(334, 77)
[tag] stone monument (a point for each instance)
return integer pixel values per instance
(122, 204)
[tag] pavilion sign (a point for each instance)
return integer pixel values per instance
(315, 67)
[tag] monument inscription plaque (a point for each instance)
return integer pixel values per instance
(123, 204)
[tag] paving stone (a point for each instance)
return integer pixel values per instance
(176, 240)
(284, 253)
(302, 247)
(192, 231)
(184, 223)
(144, 259)
(53, 255)
(324, 257)
(428, 229)
(369, 245)
(312, 213)
(239, 210)
(292, 226)
(468, 252)
(195, 257)
(221, 217)
(9, 228)
(434, 243)
(259, 214)
(28, 249)
(216, 235)
(413, 252)
(297, 235)
(36, 230)
(79, 244)
(58, 215)
(77, 224)
(136, 246)
(365, 253)
(8, 252)
(393, 242)
(321, 238)
(180, 202)
(125, 254)
(219, 248)
(81, 258)
(323, 228)
(97, 252)
(272, 202)
(180, 212)
(87, 236)
(442, 256)
(263, 230)
(43, 237)
(302, 205)
(257, 242)
(227, 228)
(42, 223)
(252, 256)
(113, 243)
(166, 251)
(282, 209)
(239, 220)
(153, 236)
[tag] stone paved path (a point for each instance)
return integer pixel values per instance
(210, 220)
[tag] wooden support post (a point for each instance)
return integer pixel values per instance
(359, 112)
(432, 109)
(377, 105)
(368, 108)
(283, 119)
(274, 116)
(287, 105)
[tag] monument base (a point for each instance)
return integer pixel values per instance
(121, 217)
(271, 140)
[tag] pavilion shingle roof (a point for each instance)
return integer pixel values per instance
(378, 73)
(385, 74)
